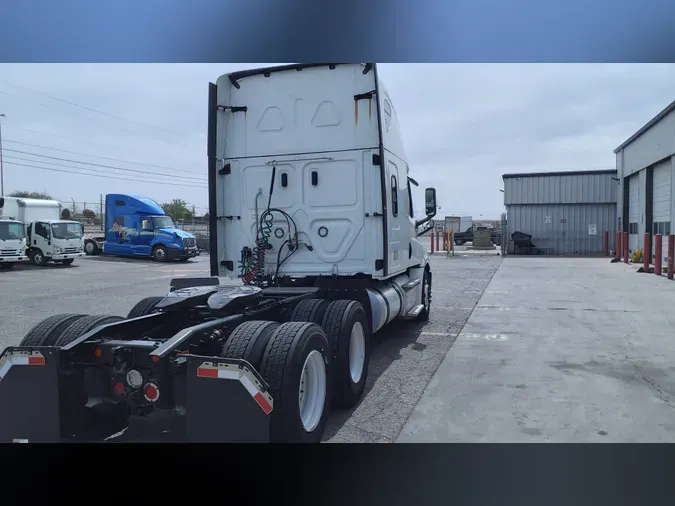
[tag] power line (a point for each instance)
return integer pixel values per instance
(196, 179)
(196, 183)
(102, 175)
(90, 108)
(70, 113)
(98, 156)
(16, 127)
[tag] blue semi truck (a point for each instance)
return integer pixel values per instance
(138, 226)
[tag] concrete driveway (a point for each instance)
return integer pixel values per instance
(558, 350)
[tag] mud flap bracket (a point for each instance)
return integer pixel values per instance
(226, 402)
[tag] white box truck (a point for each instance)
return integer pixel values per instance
(12, 239)
(48, 237)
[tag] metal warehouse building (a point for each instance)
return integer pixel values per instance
(645, 165)
(566, 213)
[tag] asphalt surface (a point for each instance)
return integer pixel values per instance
(404, 358)
(558, 350)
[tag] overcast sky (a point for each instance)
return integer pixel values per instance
(464, 125)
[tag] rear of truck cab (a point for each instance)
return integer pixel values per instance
(320, 145)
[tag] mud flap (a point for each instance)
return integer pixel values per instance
(226, 402)
(29, 395)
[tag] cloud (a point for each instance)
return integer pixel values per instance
(464, 125)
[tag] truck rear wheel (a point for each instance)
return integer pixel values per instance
(348, 332)
(144, 307)
(296, 365)
(83, 325)
(310, 310)
(49, 330)
(249, 340)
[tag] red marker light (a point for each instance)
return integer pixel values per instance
(155, 358)
(118, 388)
(98, 352)
(151, 392)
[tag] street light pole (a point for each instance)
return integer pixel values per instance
(2, 183)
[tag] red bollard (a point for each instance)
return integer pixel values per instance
(617, 253)
(671, 253)
(432, 242)
(658, 254)
(625, 247)
(605, 244)
(438, 238)
(647, 251)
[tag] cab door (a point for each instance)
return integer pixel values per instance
(117, 241)
(141, 240)
(41, 238)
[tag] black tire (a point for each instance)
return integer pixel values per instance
(144, 307)
(426, 296)
(38, 258)
(249, 340)
(340, 318)
(67, 261)
(282, 366)
(84, 325)
(47, 332)
(160, 254)
(309, 310)
(91, 248)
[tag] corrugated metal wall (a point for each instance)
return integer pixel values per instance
(567, 214)
(564, 229)
(561, 189)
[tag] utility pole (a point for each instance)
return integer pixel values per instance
(2, 183)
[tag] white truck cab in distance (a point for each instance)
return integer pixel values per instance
(48, 237)
(12, 242)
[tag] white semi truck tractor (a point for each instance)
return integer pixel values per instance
(313, 249)
(48, 237)
(12, 239)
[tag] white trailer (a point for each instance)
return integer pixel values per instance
(49, 238)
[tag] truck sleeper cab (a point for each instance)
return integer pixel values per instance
(137, 226)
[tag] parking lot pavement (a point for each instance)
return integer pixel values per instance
(91, 285)
(404, 357)
(558, 350)
(407, 354)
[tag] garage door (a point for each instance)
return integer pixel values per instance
(661, 205)
(633, 211)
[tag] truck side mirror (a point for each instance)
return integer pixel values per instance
(430, 199)
(82, 229)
